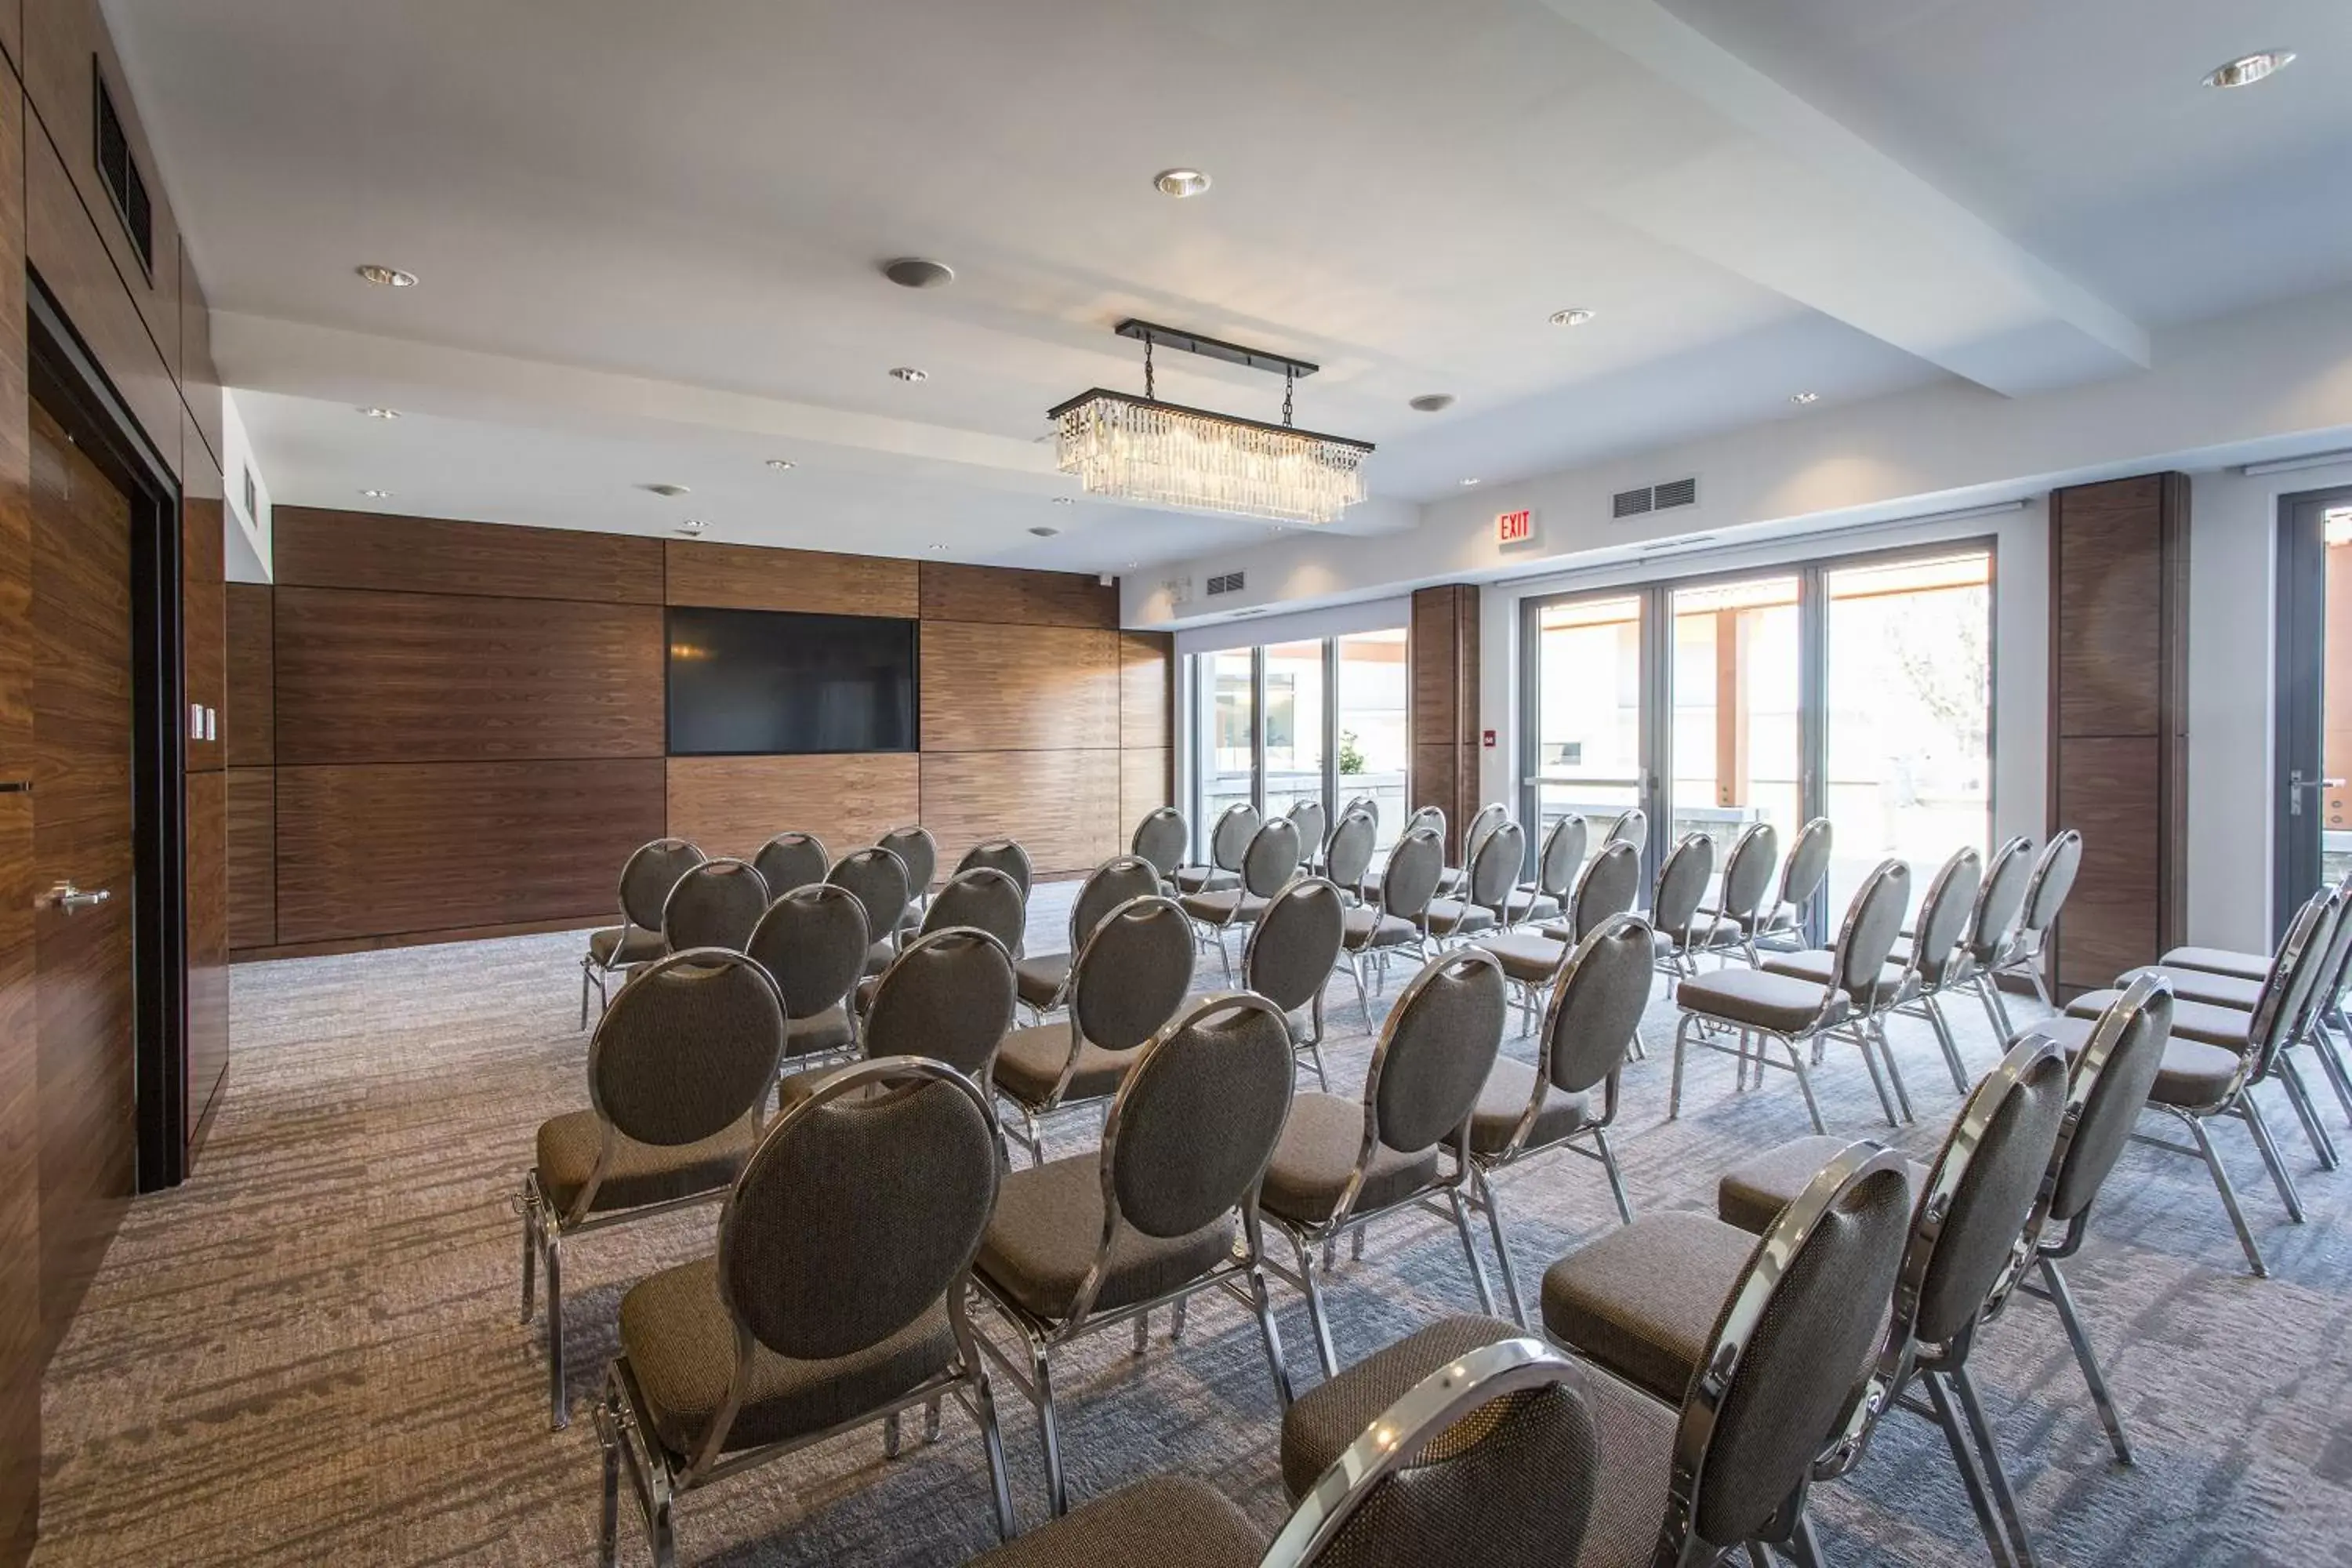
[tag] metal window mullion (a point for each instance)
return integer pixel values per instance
(1257, 728)
(1812, 717)
(1330, 732)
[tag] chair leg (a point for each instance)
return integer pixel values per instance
(1502, 1247)
(1674, 1091)
(2041, 981)
(1936, 1021)
(1470, 1251)
(1995, 1474)
(2063, 1300)
(1176, 1321)
(2332, 1067)
(1316, 1316)
(1363, 1000)
(530, 1206)
(932, 1420)
(584, 993)
(1876, 1029)
(1877, 1078)
(1616, 1177)
(983, 1406)
(1049, 1436)
(1142, 1332)
(608, 1534)
(1262, 1299)
(2229, 1193)
(1987, 989)
(891, 1435)
(2251, 1110)
(1964, 1460)
(1802, 1548)
(1315, 1055)
(559, 1414)
(1804, 1083)
(2299, 1096)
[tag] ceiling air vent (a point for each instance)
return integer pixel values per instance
(1231, 582)
(1630, 504)
(1653, 498)
(119, 172)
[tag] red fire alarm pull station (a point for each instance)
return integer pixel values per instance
(1490, 740)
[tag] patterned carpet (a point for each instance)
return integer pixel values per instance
(308, 1354)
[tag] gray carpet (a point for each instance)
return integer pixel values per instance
(309, 1354)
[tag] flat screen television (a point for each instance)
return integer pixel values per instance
(764, 683)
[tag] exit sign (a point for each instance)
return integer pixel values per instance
(1513, 527)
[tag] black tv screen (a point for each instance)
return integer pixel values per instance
(761, 683)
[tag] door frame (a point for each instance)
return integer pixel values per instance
(2299, 659)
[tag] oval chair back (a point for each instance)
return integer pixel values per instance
(2112, 1074)
(1229, 840)
(1944, 915)
(1608, 886)
(1349, 859)
(2293, 975)
(688, 1048)
(1295, 943)
(1495, 869)
(1562, 858)
(950, 996)
(982, 898)
(715, 904)
(1004, 855)
(1748, 872)
(1409, 879)
(813, 942)
(2328, 982)
(1272, 858)
(2001, 894)
(1161, 838)
(1194, 1123)
(792, 860)
(1632, 825)
(1132, 973)
(1873, 922)
(918, 850)
(2053, 879)
(1595, 1012)
(1682, 886)
(878, 881)
(1437, 1048)
(1106, 887)
(1808, 865)
(1369, 806)
(1488, 818)
(1428, 816)
(1313, 825)
(648, 876)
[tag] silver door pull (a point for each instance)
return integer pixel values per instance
(67, 896)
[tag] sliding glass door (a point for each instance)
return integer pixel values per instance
(1739, 732)
(1371, 745)
(1591, 722)
(1295, 724)
(1225, 737)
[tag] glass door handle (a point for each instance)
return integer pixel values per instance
(2296, 784)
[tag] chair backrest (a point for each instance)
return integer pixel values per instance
(1595, 1011)
(1427, 816)
(688, 1048)
(1873, 922)
(1435, 1050)
(1272, 857)
(914, 845)
(715, 904)
(1294, 943)
(1490, 1459)
(1132, 973)
(2053, 879)
(879, 878)
(1495, 869)
(983, 897)
(1747, 870)
(1808, 865)
(2000, 895)
(1349, 854)
(1002, 855)
(1483, 821)
(1161, 838)
(1369, 806)
(1194, 1123)
(1561, 858)
(2113, 1073)
(1608, 886)
(1944, 914)
(1313, 825)
(2327, 974)
(949, 996)
(2294, 973)
(1229, 840)
(1789, 1354)
(1682, 884)
(1409, 879)
(813, 942)
(792, 860)
(1106, 887)
(1632, 825)
(648, 876)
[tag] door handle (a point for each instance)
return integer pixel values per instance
(67, 896)
(2296, 784)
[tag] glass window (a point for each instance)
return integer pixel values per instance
(1294, 724)
(1375, 686)
(1223, 745)
(1737, 746)
(1588, 732)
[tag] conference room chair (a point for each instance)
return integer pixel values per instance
(1267, 865)
(1229, 840)
(678, 1071)
(1557, 862)
(1729, 924)
(792, 860)
(1631, 825)
(1483, 822)
(1396, 917)
(982, 898)
(920, 851)
(1759, 1006)
(1290, 954)
(2045, 898)
(1162, 838)
(1930, 959)
(1615, 891)
(812, 943)
(878, 879)
(1533, 961)
(646, 877)
(1488, 1459)
(2000, 896)
(1314, 829)
(1343, 1163)
(1348, 857)
(1482, 903)
(1803, 875)
(1046, 981)
(1132, 973)
(2217, 1057)
(714, 904)
(835, 1297)
(1976, 1205)
(1694, 1467)
(1004, 854)
(1674, 916)
(1369, 806)
(1525, 1111)
(948, 996)
(1166, 1209)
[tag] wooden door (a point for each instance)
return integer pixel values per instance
(82, 836)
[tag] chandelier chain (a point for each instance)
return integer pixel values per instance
(1147, 392)
(1289, 383)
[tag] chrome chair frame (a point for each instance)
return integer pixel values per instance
(1923, 1000)
(1185, 836)
(1681, 957)
(1311, 1044)
(1214, 868)
(2027, 944)
(1970, 973)
(823, 856)
(1556, 874)
(591, 972)
(1117, 863)
(1423, 944)
(1743, 922)
(1212, 932)
(1783, 926)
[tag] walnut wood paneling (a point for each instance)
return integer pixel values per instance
(1005, 688)
(371, 677)
(1064, 807)
(319, 548)
(731, 805)
(252, 858)
(12, 39)
(417, 847)
(204, 609)
(1147, 662)
(1443, 651)
(1013, 597)
(206, 894)
(249, 704)
(2106, 583)
(747, 577)
(1143, 787)
(2108, 790)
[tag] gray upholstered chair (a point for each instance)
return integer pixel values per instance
(878, 879)
(792, 860)
(1004, 854)
(2001, 893)
(1485, 898)
(1131, 975)
(1166, 1209)
(1802, 877)
(1483, 821)
(1290, 954)
(919, 852)
(836, 1297)
(1397, 917)
(1490, 1457)
(1532, 960)
(1674, 923)
(1588, 1032)
(948, 996)
(813, 942)
(1162, 838)
(1631, 825)
(678, 1071)
(1348, 857)
(1757, 1005)
(715, 904)
(982, 898)
(2045, 899)
(1314, 825)
(646, 877)
(1728, 925)
(1558, 864)
(1343, 1163)
(1609, 884)
(1932, 956)
(1229, 840)
(1268, 867)
(1045, 982)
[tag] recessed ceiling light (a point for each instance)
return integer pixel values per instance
(1575, 316)
(1180, 183)
(909, 374)
(377, 495)
(1801, 398)
(918, 272)
(2248, 70)
(388, 277)
(1042, 531)
(668, 489)
(1432, 402)
(692, 527)
(936, 549)
(1064, 500)
(781, 464)
(380, 413)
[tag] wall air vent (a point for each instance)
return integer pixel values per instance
(120, 172)
(1231, 582)
(1653, 498)
(1630, 504)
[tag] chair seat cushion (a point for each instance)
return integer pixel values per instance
(1039, 980)
(1158, 1522)
(1819, 965)
(1643, 1299)
(2202, 985)
(2193, 1073)
(1367, 927)
(1504, 1101)
(878, 957)
(640, 1172)
(2200, 1021)
(1635, 1439)
(1048, 1225)
(1531, 904)
(826, 1031)
(1321, 1423)
(1709, 930)
(1222, 907)
(1030, 1061)
(1752, 1194)
(681, 1345)
(1761, 999)
(1450, 917)
(621, 945)
(1317, 1153)
(2220, 960)
(1205, 878)
(1524, 957)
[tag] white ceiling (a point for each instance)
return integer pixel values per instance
(648, 233)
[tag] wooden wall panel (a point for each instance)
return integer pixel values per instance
(1007, 687)
(12, 40)
(252, 858)
(731, 805)
(320, 549)
(418, 847)
(1443, 652)
(203, 604)
(206, 894)
(1147, 668)
(1144, 786)
(249, 702)
(2108, 789)
(747, 577)
(371, 676)
(1064, 807)
(2107, 627)
(1010, 596)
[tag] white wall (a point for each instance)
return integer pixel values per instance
(247, 529)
